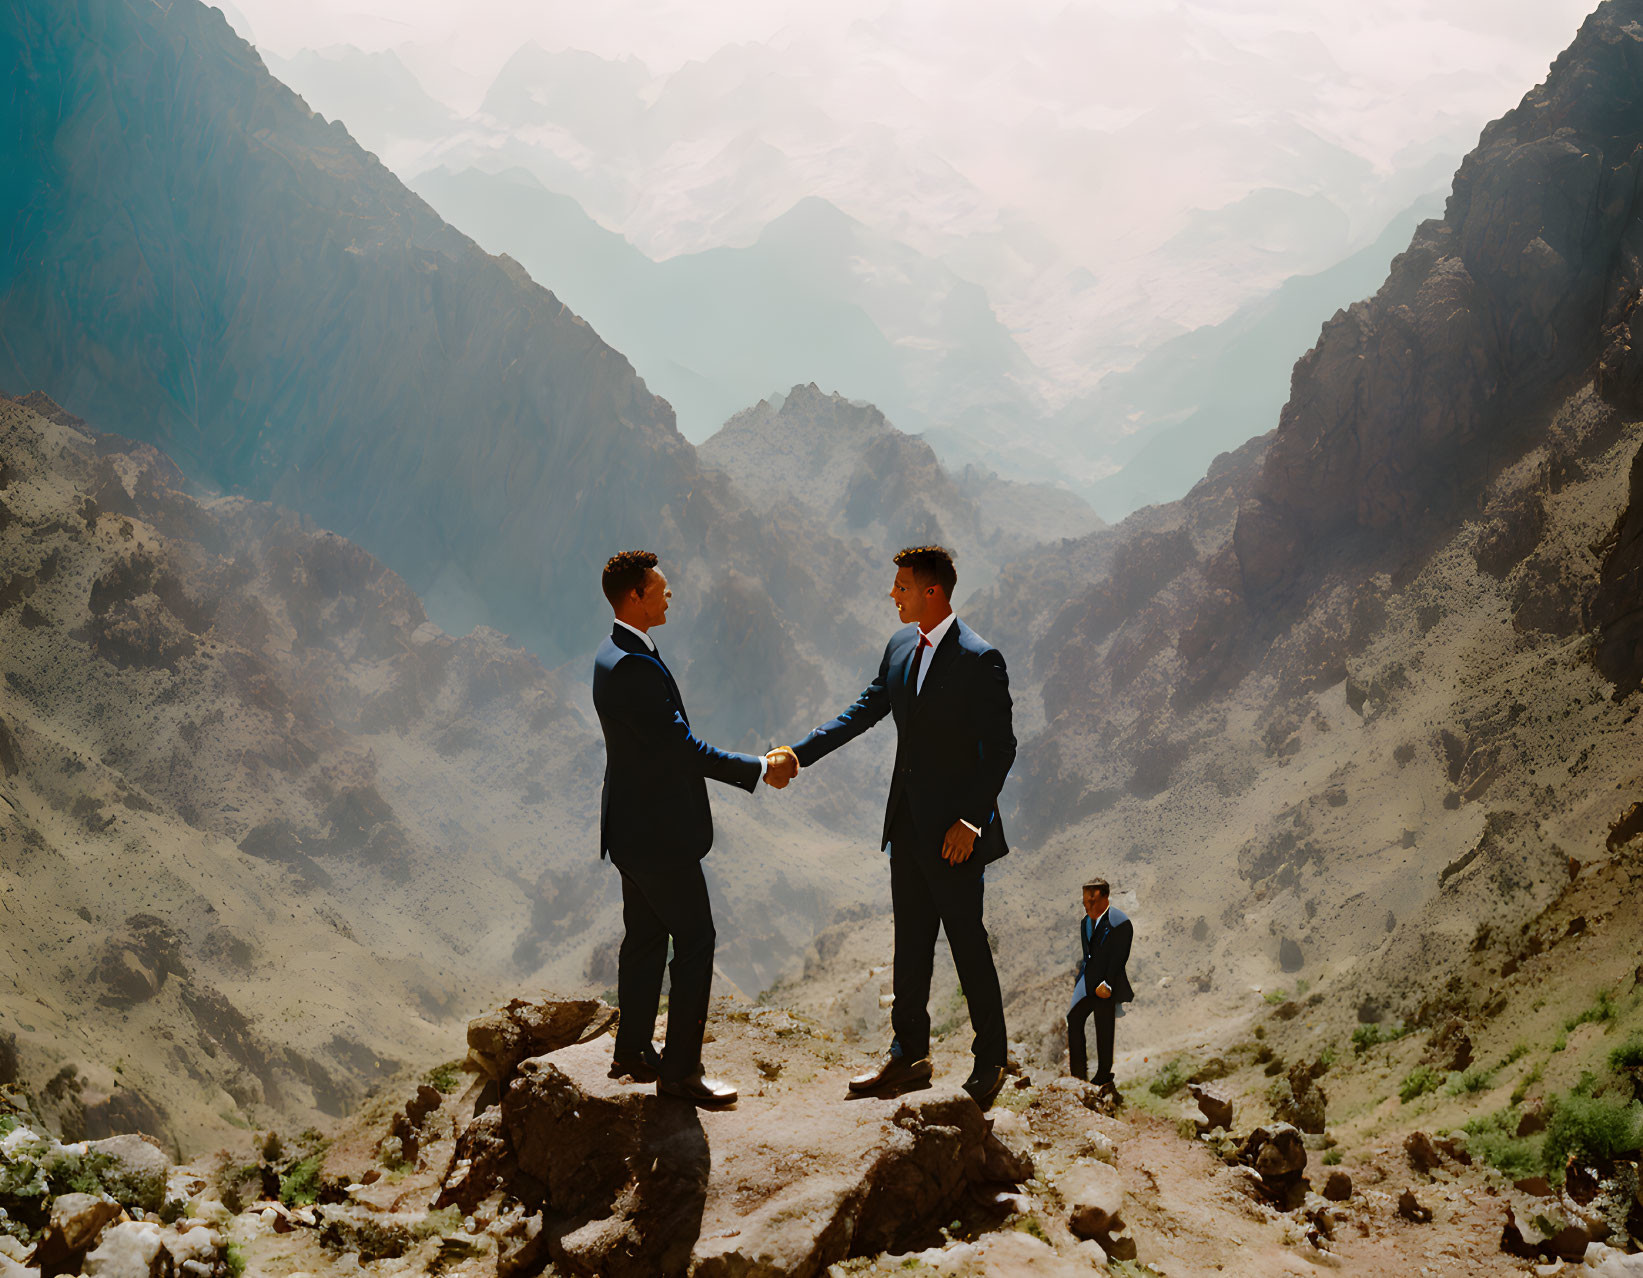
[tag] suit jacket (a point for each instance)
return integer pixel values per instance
(1106, 956)
(954, 743)
(654, 804)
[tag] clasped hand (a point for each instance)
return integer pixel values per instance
(781, 766)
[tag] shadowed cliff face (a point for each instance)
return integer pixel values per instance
(1410, 399)
(193, 258)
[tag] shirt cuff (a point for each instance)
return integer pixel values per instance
(764, 766)
(973, 829)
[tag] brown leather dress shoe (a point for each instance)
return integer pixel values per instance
(698, 1090)
(644, 1068)
(896, 1071)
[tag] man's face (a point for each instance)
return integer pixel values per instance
(653, 603)
(912, 600)
(1095, 902)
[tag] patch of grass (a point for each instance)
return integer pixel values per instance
(1592, 1128)
(1367, 1036)
(1419, 1081)
(1332, 1157)
(1171, 1079)
(1032, 1225)
(8, 1124)
(444, 1078)
(1600, 1012)
(1494, 1139)
(1561, 1041)
(299, 1187)
(1525, 1083)
(1518, 1052)
(233, 1259)
(1629, 1055)
(1470, 1082)
(1275, 997)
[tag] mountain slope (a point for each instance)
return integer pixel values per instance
(817, 297)
(266, 831)
(193, 258)
(861, 477)
(1350, 699)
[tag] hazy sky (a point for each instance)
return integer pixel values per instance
(1035, 146)
(1498, 45)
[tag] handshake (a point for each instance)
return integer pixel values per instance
(781, 766)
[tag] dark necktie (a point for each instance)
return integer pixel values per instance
(918, 659)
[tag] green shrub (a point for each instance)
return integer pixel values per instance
(300, 1186)
(1332, 1157)
(1171, 1079)
(233, 1258)
(1367, 1036)
(1421, 1079)
(1629, 1055)
(445, 1077)
(1470, 1082)
(1593, 1128)
(1494, 1139)
(1599, 1012)
(1275, 997)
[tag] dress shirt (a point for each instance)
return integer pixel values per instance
(933, 638)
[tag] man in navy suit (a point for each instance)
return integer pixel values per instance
(948, 691)
(1105, 933)
(656, 826)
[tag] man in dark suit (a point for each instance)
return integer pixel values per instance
(1103, 985)
(656, 826)
(948, 691)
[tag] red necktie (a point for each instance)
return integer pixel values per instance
(918, 659)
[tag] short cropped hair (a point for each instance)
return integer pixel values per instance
(1099, 885)
(931, 566)
(624, 571)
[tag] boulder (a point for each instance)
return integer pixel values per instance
(1410, 1208)
(1095, 1199)
(1214, 1105)
(76, 1220)
(630, 1183)
(528, 1027)
(138, 1172)
(132, 1249)
(1423, 1153)
(1277, 1150)
(1451, 1046)
(1337, 1186)
(1305, 1105)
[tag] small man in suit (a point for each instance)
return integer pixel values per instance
(948, 693)
(1105, 933)
(656, 826)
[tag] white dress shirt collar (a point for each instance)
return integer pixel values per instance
(649, 643)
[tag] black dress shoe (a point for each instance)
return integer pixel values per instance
(698, 1090)
(643, 1068)
(984, 1085)
(896, 1071)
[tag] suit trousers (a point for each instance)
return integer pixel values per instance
(659, 901)
(928, 894)
(1104, 1012)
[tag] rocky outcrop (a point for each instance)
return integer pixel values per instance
(1532, 272)
(1617, 608)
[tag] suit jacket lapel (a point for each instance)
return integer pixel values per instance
(903, 690)
(627, 641)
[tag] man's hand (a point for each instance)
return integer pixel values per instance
(959, 843)
(1103, 990)
(781, 766)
